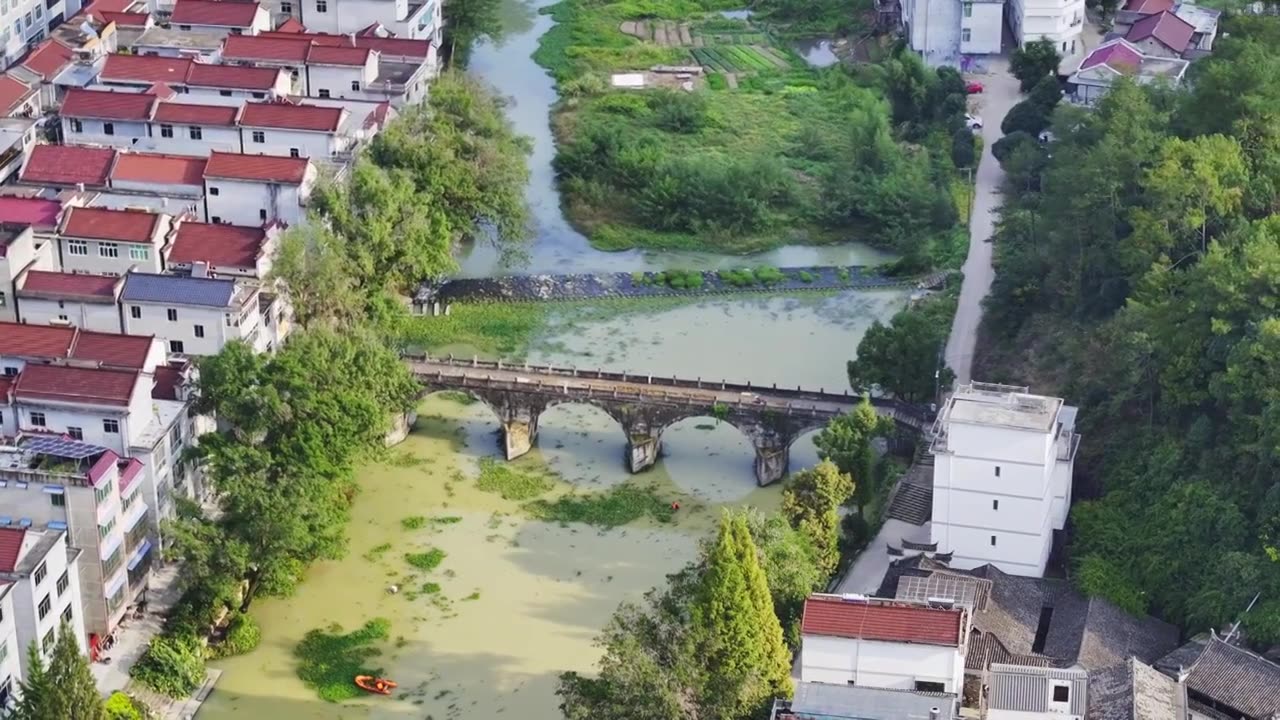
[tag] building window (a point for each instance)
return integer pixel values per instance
(108, 128)
(37, 419)
(195, 132)
(139, 252)
(259, 96)
(111, 426)
(1061, 693)
(45, 606)
(10, 371)
(927, 686)
(215, 220)
(108, 250)
(63, 583)
(995, 504)
(68, 615)
(166, 131)
(111, 564)
(323, 92)
(64, 318)
(214, 191)
(322, 6)
(77, 247)
(105, 530)
(58, 500)
(993, 541)
(286, 8)
(184, 27)
(101, 494)
(3, 300)
(294, 152)
(262, 214)
(135, 312)
(224, 93)
(997, 471)
(172, 313)
(968, 9)
(75, 433)
(355, 84)
(259, 136)
(965, 34)
(199, 331)
(75, 125)
(175, 346)
(46, 645)
(40, 574)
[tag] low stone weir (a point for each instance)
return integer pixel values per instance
(434, 296)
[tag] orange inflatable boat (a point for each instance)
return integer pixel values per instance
(369, 683)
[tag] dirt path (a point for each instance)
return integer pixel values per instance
(731, 79)
(685, 37)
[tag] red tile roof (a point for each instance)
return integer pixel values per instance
(36, 212)
(884, 621)
(134, 226)
(257, 168)
(112, 350)
(144, 69)
(256, 47)
(220, 245)
(101, 6)
(48, 59)
(167, 381)
(331, 55)
(68, 165)
(214, 12)
(1148, 7)
(235, 77)
(184, 114)
(107, 105)
(11, 547)
(291, 25)
(287, 116)
(42, 341)
(163, 169)
(131, 471)
(98, 471)
(12, 93)
(1170, 30)
(398, 47)
(91, 288)
(129, 19)
(61, 383)
(1118, 56)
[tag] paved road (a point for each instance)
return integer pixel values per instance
(1000, 94)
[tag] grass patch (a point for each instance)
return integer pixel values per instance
(430, 588)
(512, 482)
(328, 659)
(493, 329)
(415, 522)
(455, 396)
(429, 560)
(446, 520)
(617, 506)
(376, 552)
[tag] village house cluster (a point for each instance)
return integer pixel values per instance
(151, 155)
(967, 626)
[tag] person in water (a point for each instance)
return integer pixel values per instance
(381, 685)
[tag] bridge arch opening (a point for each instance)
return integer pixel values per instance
(709, 458)
(467, 418)
(804, 453)
(583, 443)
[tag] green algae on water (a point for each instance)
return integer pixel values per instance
(512, 483)
(329, 660)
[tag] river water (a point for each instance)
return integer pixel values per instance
(522, 600)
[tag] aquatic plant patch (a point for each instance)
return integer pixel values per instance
(510, 481)
(429, 560)
(617, 506)
(329, 659)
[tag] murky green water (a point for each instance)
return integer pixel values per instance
(544, 590)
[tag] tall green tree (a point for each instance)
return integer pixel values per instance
(465, 23)
(810, 502)
(904, 358)
(312, 264)
(63, 689)
(846, 441)
(1034, 61)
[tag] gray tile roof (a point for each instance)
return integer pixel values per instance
(841, 702)
(178, 290)
(1134, 690)
(1230, 676)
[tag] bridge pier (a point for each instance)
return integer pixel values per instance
(519, 428)
(643, 451)
(773, 457)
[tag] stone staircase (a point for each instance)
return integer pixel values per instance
(912, 500)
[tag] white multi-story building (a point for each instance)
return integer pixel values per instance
(112, 242)
(202, 81)
(224, 250)
(1003, 462)
(305, 131)
(89, 302)
(40, 571)
(10, 650)
(257, 189)
(1058, 21)
(981, 26)
(870, 642)
(27, 22)
(20, 251)
(404, 19)
(193, 315)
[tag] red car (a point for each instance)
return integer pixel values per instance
(973, 88)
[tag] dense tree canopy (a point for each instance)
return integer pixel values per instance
(810, 502)
(63, 688)
(1141, 280)
(846, 442)
(904, 358)
(1034, 61)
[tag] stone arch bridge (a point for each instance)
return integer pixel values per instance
(770, 417)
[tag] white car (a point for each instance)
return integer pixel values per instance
(973, 122)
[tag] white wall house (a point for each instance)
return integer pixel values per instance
(112, 242)
(193, 315)
(10, 650)
(202, 81)
(189, 128)
(257, 189)
(81, 300)
(416, 20)
(236, 251)
(1002, 476)
(869, 642)
(306, 131)
(1018, 692)
(20, 251)
(1059, 21)
(981, 26)
(41, 572)
(117, 119)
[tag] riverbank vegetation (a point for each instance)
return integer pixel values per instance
(1137, 265)
(789, 153)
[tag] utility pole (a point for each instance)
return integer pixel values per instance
(1236, 627)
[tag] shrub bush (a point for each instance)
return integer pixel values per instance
(243, 635)
(1004, 148)
(122, 707)
(769, 275)
(680, 112)
(173, 665)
